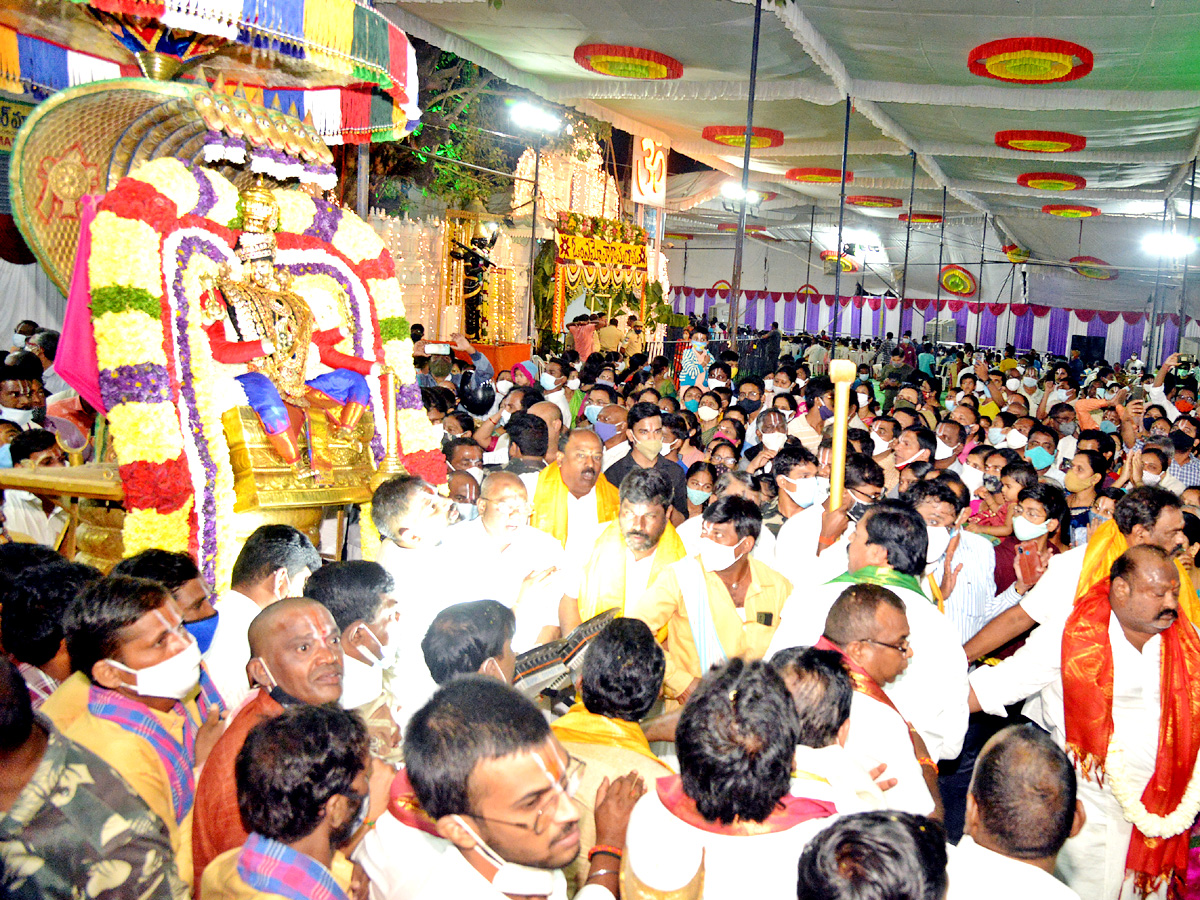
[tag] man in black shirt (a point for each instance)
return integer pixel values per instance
(644, 432)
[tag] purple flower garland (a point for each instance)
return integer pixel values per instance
(141, 383)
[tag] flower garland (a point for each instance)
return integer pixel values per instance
(818, 175)
(1149, 824)
(735, 136)
(620, 61)
(165, 232)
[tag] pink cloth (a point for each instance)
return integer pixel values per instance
(76, 359)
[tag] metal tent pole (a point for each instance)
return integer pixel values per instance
(837, 273)
(912, 187)
(735, 283)
(979, 289)
(937, 304)
(1188, 235)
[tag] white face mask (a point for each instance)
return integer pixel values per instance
(513, 878)
(503, 386)
(20, 417)
(18, 341)
(972, 478)
(504, 417)
(939, 541)
(1029, 381)
(467, 512)
(385, 654)
(172, 678)
(1151, 477)
(714, 383)
(1013, 384)
(717, 557)
(803, 491)
(666, 449)
(361, 684)
(706, 413)
(942, 450)
(475, 472)
(1024, 530)
(573, 383)
(878, 445)
(1016, 440)
(774, 440)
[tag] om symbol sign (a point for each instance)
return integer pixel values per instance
(649, 172)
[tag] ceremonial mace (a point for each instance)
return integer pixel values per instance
(841, 373)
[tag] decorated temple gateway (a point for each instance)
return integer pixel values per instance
(242, 335)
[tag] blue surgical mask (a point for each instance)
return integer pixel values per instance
(1039, 457)
(1108, 427)
(203, 630)
(995, 436)
(606, 431)
(591, 412)
(697, 496)
(693, 404)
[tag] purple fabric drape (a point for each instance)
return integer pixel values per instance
(1131, 342)
(906, 319)
(750, 314)
(960, 324)
(855, 320)
(987, 328)
(1060, 327)
(813, 316)
(710, 299)
(789, 316)
(1170, 338)
(1023, 331)
(1097, 328)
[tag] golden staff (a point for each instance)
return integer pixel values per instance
(841, 373)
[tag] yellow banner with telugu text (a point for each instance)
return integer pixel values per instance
(577, 248)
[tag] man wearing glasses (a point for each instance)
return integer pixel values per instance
(888, 547)
(498, 556)
(868, 626)
(498, 786)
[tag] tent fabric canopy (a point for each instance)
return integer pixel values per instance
(906, 64)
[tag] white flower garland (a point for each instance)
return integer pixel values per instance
(1149, 824)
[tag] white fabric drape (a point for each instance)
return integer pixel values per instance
(28, 294)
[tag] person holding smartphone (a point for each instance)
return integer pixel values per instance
(1021, 557)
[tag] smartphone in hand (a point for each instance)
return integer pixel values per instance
(1028, 564)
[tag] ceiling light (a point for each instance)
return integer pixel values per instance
(1171, 244)
(731, 190)
(534, 118)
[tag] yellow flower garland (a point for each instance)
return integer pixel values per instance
(145, 432)
(128, 338)
(148, 529)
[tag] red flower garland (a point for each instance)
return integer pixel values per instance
(618, 61)
(1032, 141)
(1052, 181)
(735, 136)
(817, 175)
(163, 487)
(1070, 210)
(428, 464)
(1030, 60)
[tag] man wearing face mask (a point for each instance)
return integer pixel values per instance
(718, 604)
(510, 561)
(141, 713)
(807, 428)
(464, 455)
(553, 381)
(297, 662)
(771, 429)
(610, 426)
(294, 835)
(915, 443)
(516, 399)
(177, 572)
(529, 443)
(274, 563)
(889, 547)
(43, 520)
(645, 434)
(795, 472)
(629, 554)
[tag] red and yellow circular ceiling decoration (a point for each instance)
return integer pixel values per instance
(871, 202)
(619, 61)
(1015, 253)
(1094, 268)
(678, 236)
(958, 281)
(849, 263)
(735, 136)
(921, 218)
(818, 176)
(1040, 141)
(1070, 210)
(1030, 60)
(750, 229)
(1051, 181)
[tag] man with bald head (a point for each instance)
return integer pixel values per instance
(553, 417)
(296, 659)
(1117, 681)
(571, 501)
(610, 427)
(503, 558)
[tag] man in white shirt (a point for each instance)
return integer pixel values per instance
(1146, 515)
(500, 557)
(888, 547)
(553, 381)
(1021, 808)
(1098, 674)
(412, 520)
(571, 502)
(32, 515)
(736, 742)
(485, 767)
(274, 563)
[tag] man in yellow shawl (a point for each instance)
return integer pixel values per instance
(629, 553)
(571, 501)
(1146, 515)
(621, 678)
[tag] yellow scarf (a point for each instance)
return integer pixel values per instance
(583, 727)
(603, 584)
(1102, 551)
(550, 502)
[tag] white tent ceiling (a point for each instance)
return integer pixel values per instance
(905, 64)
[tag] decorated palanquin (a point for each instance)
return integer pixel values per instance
(168, 300)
